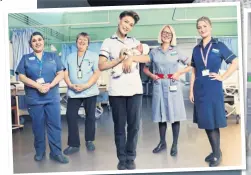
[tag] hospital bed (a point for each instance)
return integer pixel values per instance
(231, 95)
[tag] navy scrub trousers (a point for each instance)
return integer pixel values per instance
(44, 109)
(46, 116)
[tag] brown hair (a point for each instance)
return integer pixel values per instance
(132, 14)
(84, 35)
(205, 19)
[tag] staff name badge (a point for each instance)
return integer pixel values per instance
(174, 53)
(215, 50)
(40, 81)
(32, 58)
(173, 88)
(205, 72)
(79, 74)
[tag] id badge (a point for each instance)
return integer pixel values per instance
(205, 72)
(173, 88)
(40, 81)
(79, 74)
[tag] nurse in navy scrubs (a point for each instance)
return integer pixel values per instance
(206, 91)
(41, 72)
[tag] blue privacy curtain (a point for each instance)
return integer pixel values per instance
(232, 44)
(20, 43)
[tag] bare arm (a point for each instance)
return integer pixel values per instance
(229, 72)
(29, 82)
(141, 59)
(67, 79)
(185, 70)
(57, 79)
(192, 80)
(148, 72)
(94, 78)
(191, 95)
(105, 64)
(233, 67)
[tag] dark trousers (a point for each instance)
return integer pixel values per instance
(73, 106)
(126, 110)
(46, 117)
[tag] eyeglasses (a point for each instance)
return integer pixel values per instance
(166, 33)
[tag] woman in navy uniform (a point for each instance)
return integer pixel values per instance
(206, 91)
(41, 72)
(168, 103)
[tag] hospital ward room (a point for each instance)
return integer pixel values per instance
(111, 130)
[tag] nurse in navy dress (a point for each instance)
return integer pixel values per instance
(206, 91)
(41, 72)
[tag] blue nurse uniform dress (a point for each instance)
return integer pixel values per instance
(167, 106)
(209, 109)
(44, 109)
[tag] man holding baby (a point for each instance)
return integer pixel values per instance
(125, 91)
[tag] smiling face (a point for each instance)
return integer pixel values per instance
(82, 43)
(166, 35)
(204, 28)
(37, 43)
(126, 24)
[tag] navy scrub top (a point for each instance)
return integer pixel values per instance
(49, 65)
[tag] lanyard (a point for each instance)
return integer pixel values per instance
(79, 66)
(202, 55)
(40, 68)
(40, 62)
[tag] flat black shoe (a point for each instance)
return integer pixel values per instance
(210, 157)
(39, 157)
(90, 146)
(174, 150)
(71, 150)
(161, 146)
(121, 165)
(60, 158)
(130, 165)
(215, 161)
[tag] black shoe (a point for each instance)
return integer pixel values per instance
(121, 165)
(39, 157)
(210, 157)
(215, 161)
(71, 150)
(174, 150)
(130, 165)
(90, 146)
(161, 146)
(60, 158)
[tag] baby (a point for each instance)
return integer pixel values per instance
(141, 49)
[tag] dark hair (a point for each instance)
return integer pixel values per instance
(84, 34)
(132, 14)
(34, 34)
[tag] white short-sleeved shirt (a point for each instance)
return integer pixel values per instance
(127, 84)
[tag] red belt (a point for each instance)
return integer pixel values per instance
(165, 76)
